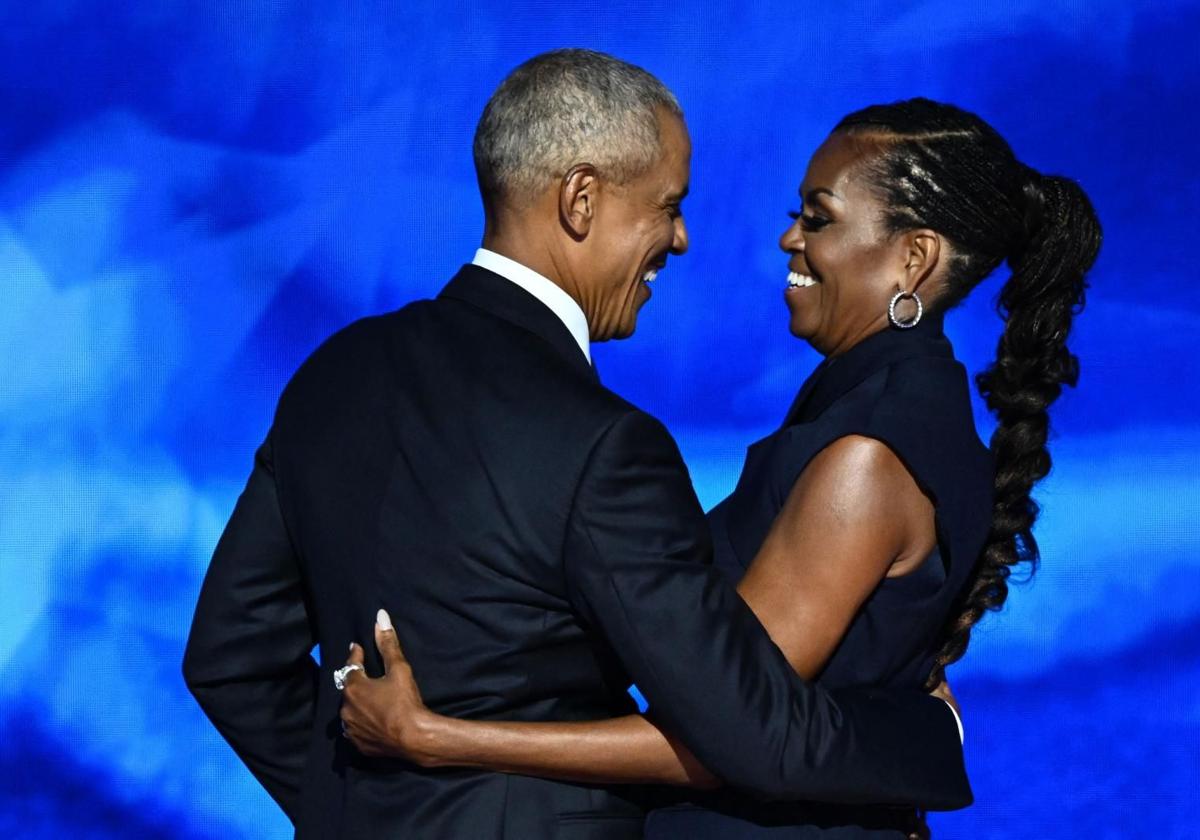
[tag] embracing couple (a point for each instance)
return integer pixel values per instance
(452, 484)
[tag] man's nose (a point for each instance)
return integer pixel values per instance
(679, 244)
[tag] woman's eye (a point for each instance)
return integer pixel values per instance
(809, 223)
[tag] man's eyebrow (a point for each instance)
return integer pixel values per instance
(675, 198)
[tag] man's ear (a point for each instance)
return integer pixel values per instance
(577, 194)
(922, 253)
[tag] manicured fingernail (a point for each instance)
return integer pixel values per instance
(383, 620)
(352, 647)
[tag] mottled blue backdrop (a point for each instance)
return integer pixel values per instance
(194, 194)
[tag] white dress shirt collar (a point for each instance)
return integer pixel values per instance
(545, 290)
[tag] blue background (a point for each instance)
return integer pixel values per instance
(193, 195)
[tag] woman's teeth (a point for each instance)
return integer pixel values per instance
(798, 281)
(649, 276)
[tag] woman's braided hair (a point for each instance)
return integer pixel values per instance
(940, 167)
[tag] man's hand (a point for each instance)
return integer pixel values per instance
(386, 716)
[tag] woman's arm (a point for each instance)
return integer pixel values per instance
(624, 750)
(387, 717)
(854, 516)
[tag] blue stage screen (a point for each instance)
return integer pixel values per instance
(194, 195)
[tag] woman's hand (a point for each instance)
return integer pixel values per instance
(386, 716)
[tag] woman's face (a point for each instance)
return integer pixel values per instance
(844, 267)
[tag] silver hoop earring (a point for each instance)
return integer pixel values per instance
(905, 325)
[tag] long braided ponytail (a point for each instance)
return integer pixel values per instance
(941, 167)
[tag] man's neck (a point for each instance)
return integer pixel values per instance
(552, 296)
(508, 233)
(536, 258)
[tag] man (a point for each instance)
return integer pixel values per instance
(534, 537)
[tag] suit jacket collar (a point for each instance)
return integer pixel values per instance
(504, 299)
(838, 375)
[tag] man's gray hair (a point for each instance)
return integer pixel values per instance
(563, 108)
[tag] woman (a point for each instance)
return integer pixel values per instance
(873, 530)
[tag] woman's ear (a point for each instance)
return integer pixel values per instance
(577, 195)
(922, 254)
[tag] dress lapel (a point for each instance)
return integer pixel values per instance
(838, 375)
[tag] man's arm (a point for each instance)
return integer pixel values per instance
(639, 571)
(248, 659)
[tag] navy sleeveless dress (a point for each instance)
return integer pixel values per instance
(906, 389)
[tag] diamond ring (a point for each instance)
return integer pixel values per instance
(339, 676)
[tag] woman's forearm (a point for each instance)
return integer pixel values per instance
(621, 750)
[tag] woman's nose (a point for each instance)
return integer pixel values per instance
(792, 238)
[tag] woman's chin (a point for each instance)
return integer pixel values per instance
(802, 322)
(808, 335)
(800, 329)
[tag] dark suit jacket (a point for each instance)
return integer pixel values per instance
(539, 546)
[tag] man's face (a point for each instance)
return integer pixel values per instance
(637, 225)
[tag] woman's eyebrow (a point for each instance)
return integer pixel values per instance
(813, 193)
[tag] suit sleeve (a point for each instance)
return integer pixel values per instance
(639, 571)
(248, 660)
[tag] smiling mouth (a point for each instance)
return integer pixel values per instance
(650, 275)
(796, 280)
